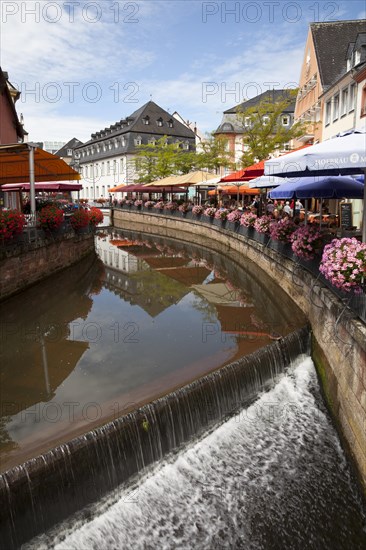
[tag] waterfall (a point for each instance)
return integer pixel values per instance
(46, 489)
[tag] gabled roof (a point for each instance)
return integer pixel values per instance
(268, 95)
(134, 123)
(74, 142)
(331, 41)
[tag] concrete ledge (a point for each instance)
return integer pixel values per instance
(339, 339)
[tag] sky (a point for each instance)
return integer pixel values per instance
(83, 65)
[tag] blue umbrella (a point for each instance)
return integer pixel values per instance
(318, 187)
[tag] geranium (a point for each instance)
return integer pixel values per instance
(282, 230)
(95, 216)
(149, 204)
(263, 223)
(344, 264)
(11, 223)
(183, 207)
(222, 214)
(210, 212)
(197, 210)
(248, 219)
(159, 205)
(305, 240)
(79, 219)
(50, 217)
(171, 205)
(234, 216)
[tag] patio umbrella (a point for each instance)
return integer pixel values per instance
(265, 182)
(327, 187)
(342, 155)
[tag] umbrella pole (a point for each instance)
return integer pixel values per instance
(320, 214)
(306, 211)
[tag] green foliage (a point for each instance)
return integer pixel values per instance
(264, 132)
(161, 159)
(158, 160)
(214, 154)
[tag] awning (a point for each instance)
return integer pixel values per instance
(140, 188)
(14, 165)
(234, 190)
(45, 186)
(192, 178)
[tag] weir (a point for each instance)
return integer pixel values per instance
(47, 489)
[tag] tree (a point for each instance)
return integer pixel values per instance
(214, 154)
(161, 159)
(264, 132)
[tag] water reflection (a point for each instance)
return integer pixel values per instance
(109, 334)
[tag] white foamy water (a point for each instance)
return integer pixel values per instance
(274, 476)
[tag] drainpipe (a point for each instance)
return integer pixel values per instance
(31, 183)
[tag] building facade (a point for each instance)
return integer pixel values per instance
(11, 128)
(233, 128)
(107, 159)
(324, 63)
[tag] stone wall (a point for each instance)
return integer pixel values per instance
(339, 339)
(20, 269)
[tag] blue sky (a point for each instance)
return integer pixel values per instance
(83, 65)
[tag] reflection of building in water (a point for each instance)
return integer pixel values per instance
(114, 256)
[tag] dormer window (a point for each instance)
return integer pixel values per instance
(152, 141)
(159, 122)
(285, 120)
(170, 123)
(138, 140)
(357, 57)
(186, 146)
(110, 145)
(116, 143)
(146, 120)
(123, 142)
(98, 149)
(265, 120)
(69, 152)
(104, 147)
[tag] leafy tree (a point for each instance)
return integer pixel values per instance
(264, 132)
(214, 154)
(161, 159)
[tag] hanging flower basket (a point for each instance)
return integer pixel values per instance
(79, 219)
(305, 241)
(344, 264)
(50, 218)
(95, 216)
(11, 224)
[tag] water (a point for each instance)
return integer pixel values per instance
(106, 336)
(273, 476)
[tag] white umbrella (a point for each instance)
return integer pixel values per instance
(265, 182)
(345, 154)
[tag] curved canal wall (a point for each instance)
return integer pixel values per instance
(338, 338)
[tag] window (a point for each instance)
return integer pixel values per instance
(352, 90)
(114, 167)
(357, 57)
(123, 142)
(336, 107)
(247, 122)
(170, 123)
(285, 121)
(186, 146)
(152, 141)
(104, 147)
(103, 169)
(328, 112)
(110, 145)
(265, 120)
(146, 120)
(122, 164)
(159, 122)
(138, 140)
(344, 107)
(116, 143)
(69, 152)
(108, 168)
(86, 172)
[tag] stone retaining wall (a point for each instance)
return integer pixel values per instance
(21, 268)
(339, 339)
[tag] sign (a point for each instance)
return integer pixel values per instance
(346, 215)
